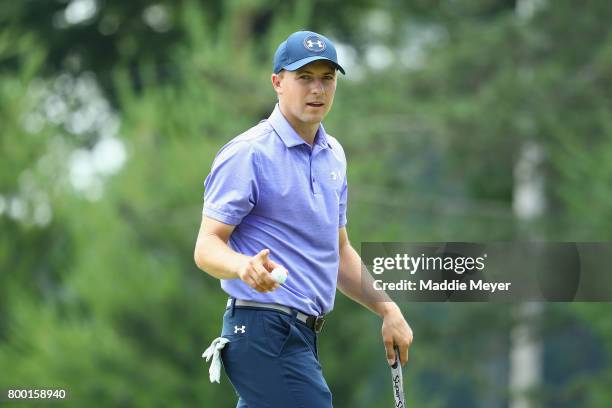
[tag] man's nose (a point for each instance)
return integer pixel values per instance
(318, 87)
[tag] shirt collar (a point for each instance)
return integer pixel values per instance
(288, 135)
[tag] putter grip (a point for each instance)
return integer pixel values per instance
(397, 357)
(398, 381)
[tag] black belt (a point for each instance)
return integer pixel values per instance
(313, 322)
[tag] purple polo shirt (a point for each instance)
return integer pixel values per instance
(287, 196)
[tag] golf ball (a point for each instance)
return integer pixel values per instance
(279, 275)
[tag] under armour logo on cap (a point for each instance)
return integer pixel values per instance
(239, 329)
(314, 44)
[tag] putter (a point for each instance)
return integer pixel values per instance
(398, 381)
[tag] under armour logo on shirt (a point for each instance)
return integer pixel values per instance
(336, 175)
(241, 329)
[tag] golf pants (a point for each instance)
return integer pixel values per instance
(271, 360)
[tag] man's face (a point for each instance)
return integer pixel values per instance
(306, 95)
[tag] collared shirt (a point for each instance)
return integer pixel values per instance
(287, 196)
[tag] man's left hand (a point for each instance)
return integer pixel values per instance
(396, 332)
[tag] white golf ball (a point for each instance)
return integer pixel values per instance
(279, 275)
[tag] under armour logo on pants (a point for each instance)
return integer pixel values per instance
(241, 329)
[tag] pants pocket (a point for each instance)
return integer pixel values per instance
(286, 339)
(304, 340)
(277, 330)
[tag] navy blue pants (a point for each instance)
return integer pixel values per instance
(271, 360)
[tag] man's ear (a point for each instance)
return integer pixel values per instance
(276, 83)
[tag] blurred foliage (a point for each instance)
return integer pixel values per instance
(98, 290)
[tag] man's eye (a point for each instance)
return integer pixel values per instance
(305, 77)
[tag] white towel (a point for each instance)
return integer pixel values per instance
(213, 352)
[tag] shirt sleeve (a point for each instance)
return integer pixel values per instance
(230, 190)
(343, 202)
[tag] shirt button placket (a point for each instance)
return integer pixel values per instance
(313, 181)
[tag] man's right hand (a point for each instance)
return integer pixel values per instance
(256, 272)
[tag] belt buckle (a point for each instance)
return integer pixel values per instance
(318, 324)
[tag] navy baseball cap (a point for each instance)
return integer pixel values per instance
(304, 47)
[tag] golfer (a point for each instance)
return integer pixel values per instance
(276, 197)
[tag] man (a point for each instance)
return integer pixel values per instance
(276, 197)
